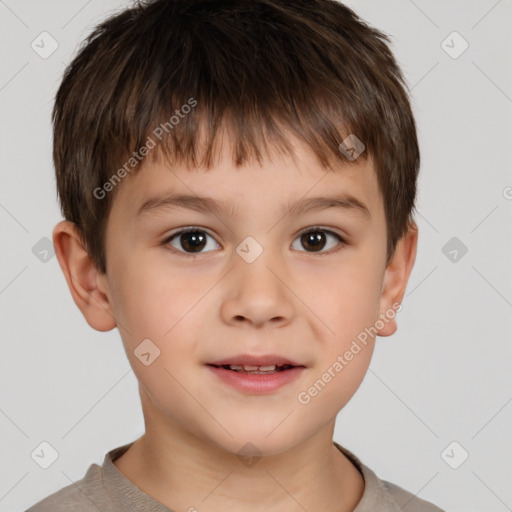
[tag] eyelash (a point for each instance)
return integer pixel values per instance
(314, 229)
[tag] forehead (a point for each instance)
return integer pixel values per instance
(291, 183)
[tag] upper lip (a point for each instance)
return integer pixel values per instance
(261, 360)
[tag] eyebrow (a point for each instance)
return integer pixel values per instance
(208, 205)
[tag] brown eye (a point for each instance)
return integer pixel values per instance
(315, 240)
(191, 241)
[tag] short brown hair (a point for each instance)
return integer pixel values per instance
(262, 67)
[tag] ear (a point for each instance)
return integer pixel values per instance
(395, 280)
(83, 277)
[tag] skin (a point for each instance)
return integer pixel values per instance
(305, 305)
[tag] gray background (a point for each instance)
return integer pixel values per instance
(443, 377)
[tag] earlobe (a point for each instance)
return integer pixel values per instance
(395, 280)
(82, 277)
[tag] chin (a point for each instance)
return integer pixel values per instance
(258, 437)
(251, 447)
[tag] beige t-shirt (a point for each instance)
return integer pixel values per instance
(104, 488)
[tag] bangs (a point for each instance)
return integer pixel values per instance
(183, 93)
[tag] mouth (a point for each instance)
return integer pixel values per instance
(256, 369)
(256, 364)
(256, 376)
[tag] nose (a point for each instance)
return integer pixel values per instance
(257, 294)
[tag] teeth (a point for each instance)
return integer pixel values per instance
(248, 368)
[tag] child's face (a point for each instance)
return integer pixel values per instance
(291, 301)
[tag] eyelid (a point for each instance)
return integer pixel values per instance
(185, 229)
(327, 229)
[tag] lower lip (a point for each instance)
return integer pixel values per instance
(257, 382)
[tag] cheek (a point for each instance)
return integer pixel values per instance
(161, 306)
(153, 294)
(169, 307)
(347, 306)
(344, 296)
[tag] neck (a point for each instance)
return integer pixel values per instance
(184, 472)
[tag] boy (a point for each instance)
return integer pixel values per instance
(238, 179)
